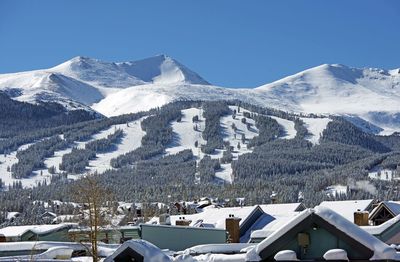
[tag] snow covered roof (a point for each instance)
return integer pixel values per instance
(17, 231)
(347, 208)
(377, 230)
(392, 206)
(380, 249)
(282, 214)
(272, 226)
(215, 217)
(218, 248)
(12, 215)
(282, 209)
(150, 252)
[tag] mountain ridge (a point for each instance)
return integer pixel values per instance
(127, 87)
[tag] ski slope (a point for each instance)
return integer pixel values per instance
(315, 127)
(6, 161)
(235, 137)
(131, 140)
(184, 134)
(288, 127)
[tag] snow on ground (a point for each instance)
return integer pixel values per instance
(184, 134)
(44, 175)
(288, 126)
(234, 138)
(335, 190)
(315, 127)
(132, 139)
(6, 161)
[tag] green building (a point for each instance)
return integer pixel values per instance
(57, 233)
(316, 231)
(181, 237)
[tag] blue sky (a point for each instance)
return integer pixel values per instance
(230, 43)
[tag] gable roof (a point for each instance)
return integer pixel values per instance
(380, 229)
(146, 249)
(392, 206)
(330, 218)
(347, 208)
(17, 231)
(282, 209)
(215, 216)
(282, 214)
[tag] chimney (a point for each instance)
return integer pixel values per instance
(361, 218)
(183, 222)
(232, 226)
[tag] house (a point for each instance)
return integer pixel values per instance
(347, 208)
(139, 251)
(388, 232)
(11, 216)
(282, 209)
(57, 232)
(108, 235)
(181, 237)
(314, 233)
(48, 217)
(250, 218)
(384, 174)
(384, 211)
(281, 214)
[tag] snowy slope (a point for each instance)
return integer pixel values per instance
(315, 127)
(288, 126)
(144, 97)
(132, 139)
(184, 134)
(369, 94)
(84, 81)
(162, 69)
(6, 161)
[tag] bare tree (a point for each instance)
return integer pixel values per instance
(96, 209)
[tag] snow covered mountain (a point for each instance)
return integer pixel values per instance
(83, 81)
(368, 97)
(370, 94)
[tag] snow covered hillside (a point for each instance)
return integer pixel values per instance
(237, 129)
(83, 81)
(369, 95)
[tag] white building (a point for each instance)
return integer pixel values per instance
(383, 174)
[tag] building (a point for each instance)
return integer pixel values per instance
(250, 218)
(181, 237)
(384, 211)
(388, 232)
(314, 233)
(347, 208)
(109, 235)
(138, 251)
(384, 174)
(281, 213)
(36, 233)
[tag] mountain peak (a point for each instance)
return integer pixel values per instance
(162, 69)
